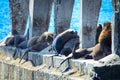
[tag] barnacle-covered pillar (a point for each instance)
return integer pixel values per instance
(89, 13)
(62, 14)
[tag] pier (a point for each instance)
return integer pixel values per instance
(37, 65)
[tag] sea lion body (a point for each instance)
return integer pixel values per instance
(68, 47)
(106, 32)
(46, 36)
(62, 38)
(100, 51)
(103, 48)
(32, 41)
(16, 39)
(23, 44)
(38, 43)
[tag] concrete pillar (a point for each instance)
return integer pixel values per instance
(88, 21)
(18, 14)
(116, 28)
(62, 14)
(41, 16)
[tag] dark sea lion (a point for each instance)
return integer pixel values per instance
(32, 41)
(7, 39)
(62, 38)
(79, 53)
(37, 47)
(38, 43)
(68, 47)
(98, 31)
(23, 44)
(16, 39)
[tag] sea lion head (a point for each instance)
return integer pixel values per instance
(70, 33)
(107, 25)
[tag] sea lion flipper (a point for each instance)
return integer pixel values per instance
(24, 55)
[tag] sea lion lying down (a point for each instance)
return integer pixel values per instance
(39, 43)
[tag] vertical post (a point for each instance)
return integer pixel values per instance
(116, 27)
(88, 21)
(18, 14)
(62, 14)
(41, 16)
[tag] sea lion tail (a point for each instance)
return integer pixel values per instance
(24, 55)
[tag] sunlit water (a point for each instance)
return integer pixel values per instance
(105, 14)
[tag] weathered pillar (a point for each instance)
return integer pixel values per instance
(88, 21)
(62, 14)
(18, 14)
(116, 27)
(41, 16)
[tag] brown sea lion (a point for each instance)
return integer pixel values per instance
(106, 32)
(62, 38)
(98, 31)
(46, 36)
(100, 51)
(103, 48)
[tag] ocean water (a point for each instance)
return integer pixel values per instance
(105, 14)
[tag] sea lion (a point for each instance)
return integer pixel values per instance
(38, 43)
(46, 36)
(15, 39)
(62, 38)
(35, 48)
(23, 44)
(106, 32)
(103, 48)
(68, 47)
(100, 51)
(32, 41)
(79, 53)
(8, 38)
(98, 31)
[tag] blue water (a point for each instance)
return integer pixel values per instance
(105, 14)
